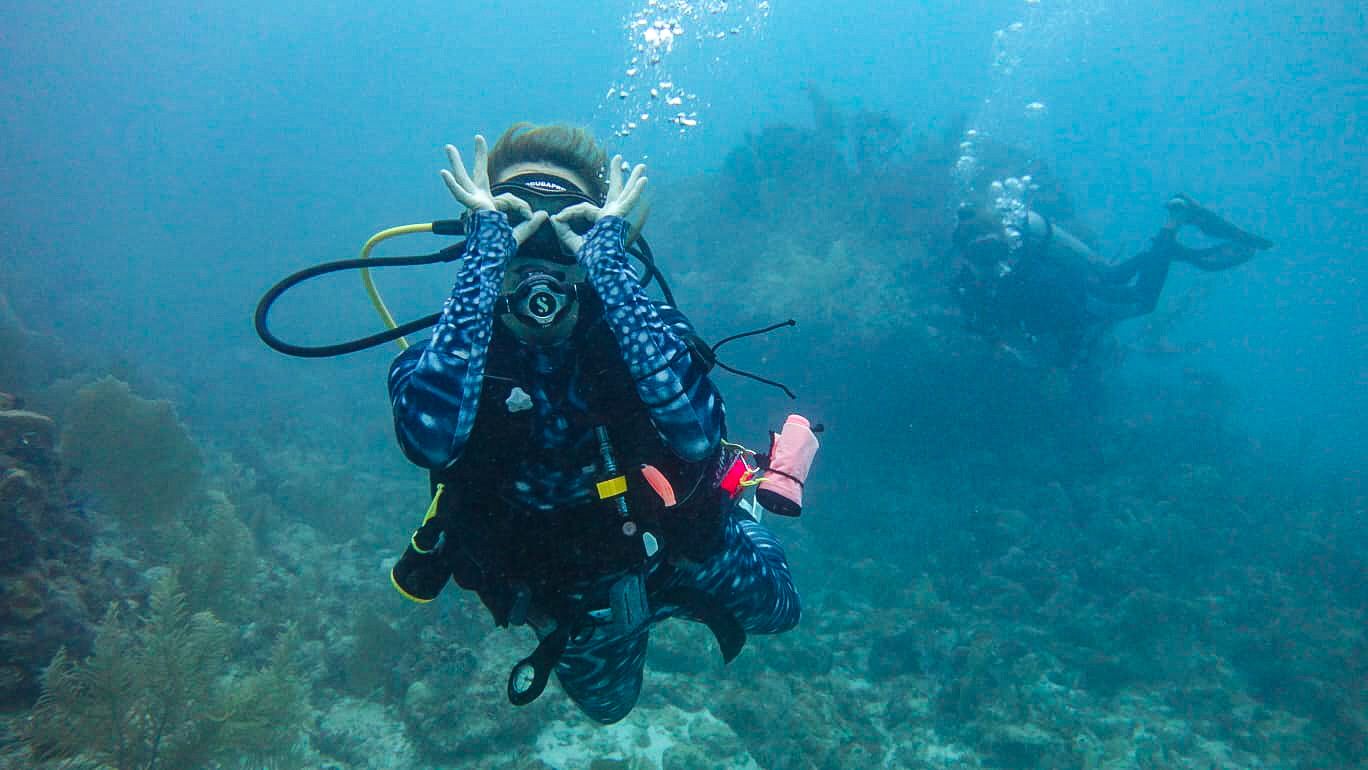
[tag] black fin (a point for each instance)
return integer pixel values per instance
(1212, 224)
(731, 637)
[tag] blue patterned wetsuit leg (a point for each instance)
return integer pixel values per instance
(749, 576)
(602, 673)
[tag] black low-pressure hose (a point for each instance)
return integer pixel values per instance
(640, 249)
(449, 254)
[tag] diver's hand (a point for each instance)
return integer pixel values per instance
(621, 199)
(472, 190)
(524, 229)
(527, 219)
(568, 237)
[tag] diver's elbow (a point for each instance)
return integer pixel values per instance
(428, 449)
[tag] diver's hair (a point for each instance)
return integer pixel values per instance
(570, 147)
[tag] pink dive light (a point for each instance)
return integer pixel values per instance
(790, 459)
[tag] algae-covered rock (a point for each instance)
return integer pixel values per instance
(365, 734)
(803, 723)
(457, 708)
(683, 648)
(374, 652)
(648, 739)
(134, 452)
(1026, 746)
(22, 430)
(50, 595)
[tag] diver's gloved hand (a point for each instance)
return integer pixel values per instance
(621, 199)
(472, 190)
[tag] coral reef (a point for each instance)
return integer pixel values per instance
(160, 693)
(847, 220)
(454, 704)
(214, 557)
(1034, 592)
(837, 261)
(46, 589)
(132, 451)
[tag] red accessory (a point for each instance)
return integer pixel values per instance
(736, 476)
(660, 484)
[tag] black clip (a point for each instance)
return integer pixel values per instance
(529, 676)
(629, 605)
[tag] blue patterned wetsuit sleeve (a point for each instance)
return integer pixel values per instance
(435, 386)
(685, 407)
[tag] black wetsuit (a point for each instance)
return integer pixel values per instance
(1055, 304)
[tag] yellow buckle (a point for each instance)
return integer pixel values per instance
(611, 487)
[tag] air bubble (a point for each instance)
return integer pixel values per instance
(651, 30)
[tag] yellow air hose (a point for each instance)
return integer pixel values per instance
(374, 293)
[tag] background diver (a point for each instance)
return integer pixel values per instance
(581, 478)
(1046, 296)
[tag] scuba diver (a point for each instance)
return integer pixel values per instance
(581, 478)
(1043, 295)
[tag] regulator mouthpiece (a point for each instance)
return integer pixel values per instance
(541, 299)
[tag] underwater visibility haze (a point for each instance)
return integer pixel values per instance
(1078, 291)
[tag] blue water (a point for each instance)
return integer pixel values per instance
(163, 164)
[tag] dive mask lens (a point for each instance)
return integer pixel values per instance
(551, 194)
(546, 192)
(545, 244)
(551, 204)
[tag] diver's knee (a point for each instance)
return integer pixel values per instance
(606, 709)
(788, 610)
(790, 621)
(609, 716)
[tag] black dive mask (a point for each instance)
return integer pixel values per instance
(552, 194)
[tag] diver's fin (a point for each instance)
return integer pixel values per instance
(703, 606)
(1212, 224)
